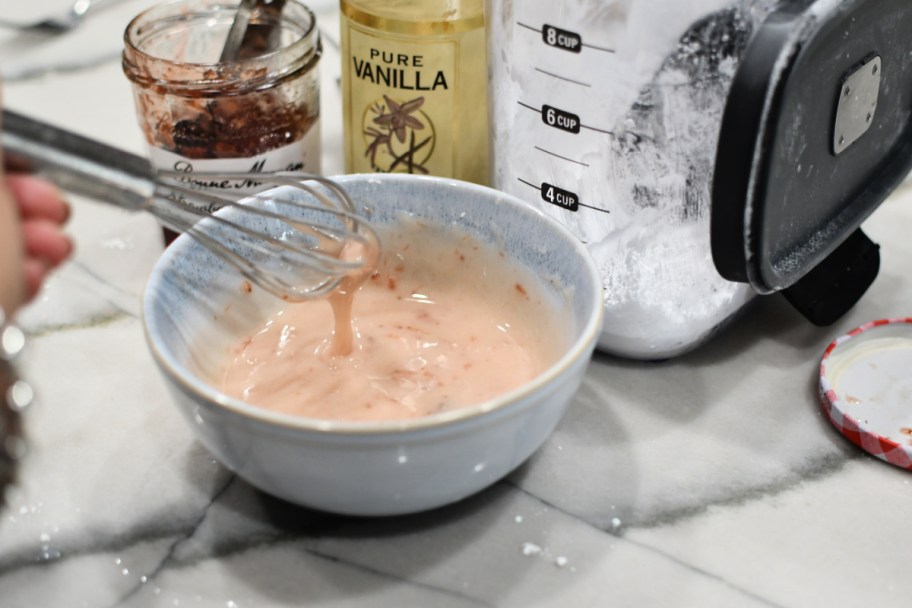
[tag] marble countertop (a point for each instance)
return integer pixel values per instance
(710, 480)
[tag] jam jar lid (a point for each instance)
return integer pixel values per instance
(866, 388)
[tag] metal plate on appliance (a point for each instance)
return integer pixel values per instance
(857, 104)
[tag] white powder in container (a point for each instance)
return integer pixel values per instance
(606, 116)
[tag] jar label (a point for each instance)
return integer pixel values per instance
(302, 156)
(399, 113)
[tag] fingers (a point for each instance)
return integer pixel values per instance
(42, 212)
(45, 242)
(37, 198)
(46, 247)
(35, 273)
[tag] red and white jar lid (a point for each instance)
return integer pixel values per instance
(866, 388)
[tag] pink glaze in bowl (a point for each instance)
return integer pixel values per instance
(194, 308)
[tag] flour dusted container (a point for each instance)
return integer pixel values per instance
(706, 151)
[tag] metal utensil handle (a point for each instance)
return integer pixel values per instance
(76, 163)
(85, 7)
(237, 31)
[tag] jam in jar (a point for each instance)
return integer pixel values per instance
(253, 114)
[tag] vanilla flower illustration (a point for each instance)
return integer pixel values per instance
(399, 117)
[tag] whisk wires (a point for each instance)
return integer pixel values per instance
(297, 240)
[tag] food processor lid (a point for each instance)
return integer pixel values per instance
(816, 133)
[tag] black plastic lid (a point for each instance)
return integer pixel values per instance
(817, 132)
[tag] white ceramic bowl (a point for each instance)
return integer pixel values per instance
(193, 309)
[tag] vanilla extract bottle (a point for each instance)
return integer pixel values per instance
(414, 87)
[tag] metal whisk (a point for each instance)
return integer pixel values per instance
(288, 240)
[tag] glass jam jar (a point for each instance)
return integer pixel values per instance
(258, 113)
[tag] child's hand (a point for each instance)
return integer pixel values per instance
(32, 242)
(42, 212)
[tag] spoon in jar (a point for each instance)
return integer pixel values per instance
(254, 31)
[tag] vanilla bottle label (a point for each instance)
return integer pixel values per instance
(399, 110)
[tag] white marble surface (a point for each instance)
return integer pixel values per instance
(710, 480)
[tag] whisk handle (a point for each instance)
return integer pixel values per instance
(76, 163)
